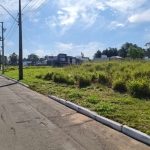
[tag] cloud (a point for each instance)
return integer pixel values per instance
(72, 12)
(140, 17)
(114, 25)
(125, 6)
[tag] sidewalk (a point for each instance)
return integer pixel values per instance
(31, 121)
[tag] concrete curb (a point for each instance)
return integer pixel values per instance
(23, 84)
(115, 125)
(62, 101)
(87, 112)
(138, 135)
(72, 105)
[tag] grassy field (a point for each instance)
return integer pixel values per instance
(117, 90)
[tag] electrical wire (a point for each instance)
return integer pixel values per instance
(38, 7)
(10, 29)
(11, 34)
(26, 5)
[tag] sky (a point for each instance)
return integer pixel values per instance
(50, 27)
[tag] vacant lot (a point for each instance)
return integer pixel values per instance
(117, 90)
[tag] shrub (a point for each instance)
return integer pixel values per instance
(93, 76)
(84, 81)
(39, 76)
(119, 85)
(139, 88)
(48, 76)
(63, 78)
(103, 78)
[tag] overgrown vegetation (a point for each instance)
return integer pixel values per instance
(117, 90)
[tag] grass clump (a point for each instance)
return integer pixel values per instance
(104, 108)
(84, 81)
(119, 85)
(139, 88)
(48, 76)
(93, 99)
(39, 76)
(63, 78)
(103, 78)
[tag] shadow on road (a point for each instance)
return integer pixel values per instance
(8, 84)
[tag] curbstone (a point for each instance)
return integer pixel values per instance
(115, 125)
(86, 112)
(23, 84)
(72, 105)
(54, 98)
(13, 80)
(136, 134)
(62, 101)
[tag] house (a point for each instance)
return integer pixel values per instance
(103, 58)
(81, 59)
(116, 58)
(26, 62)
(60, 60)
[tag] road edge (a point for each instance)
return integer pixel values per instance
(136, 134)
(16, 81)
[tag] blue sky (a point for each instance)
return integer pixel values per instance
(51, 27)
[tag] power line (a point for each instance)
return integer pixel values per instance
(10, 29)
(11, 34)
(26, 5)
(33, 5)
(36, 10)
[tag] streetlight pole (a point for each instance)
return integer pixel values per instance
(20, 43)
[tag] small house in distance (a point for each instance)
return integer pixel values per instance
(60, 60)
(103, 58)
(116, 58)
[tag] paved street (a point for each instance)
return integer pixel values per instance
(31, 121)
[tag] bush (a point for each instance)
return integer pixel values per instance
(63, 78)
(48, 76)
(139, 88)
(119, 85)
(39, 76)
(103, 78)
(84, 81)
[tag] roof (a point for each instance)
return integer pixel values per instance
(117, 57)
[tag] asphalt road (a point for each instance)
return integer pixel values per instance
(31, 121)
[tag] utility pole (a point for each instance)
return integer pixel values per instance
(20, 43)
(19, 21)
(2, 39)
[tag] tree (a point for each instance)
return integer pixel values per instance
(33, 57)
(97, 54)
(13, 58)
(135, 53)
(110, 52)
(147, 47)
